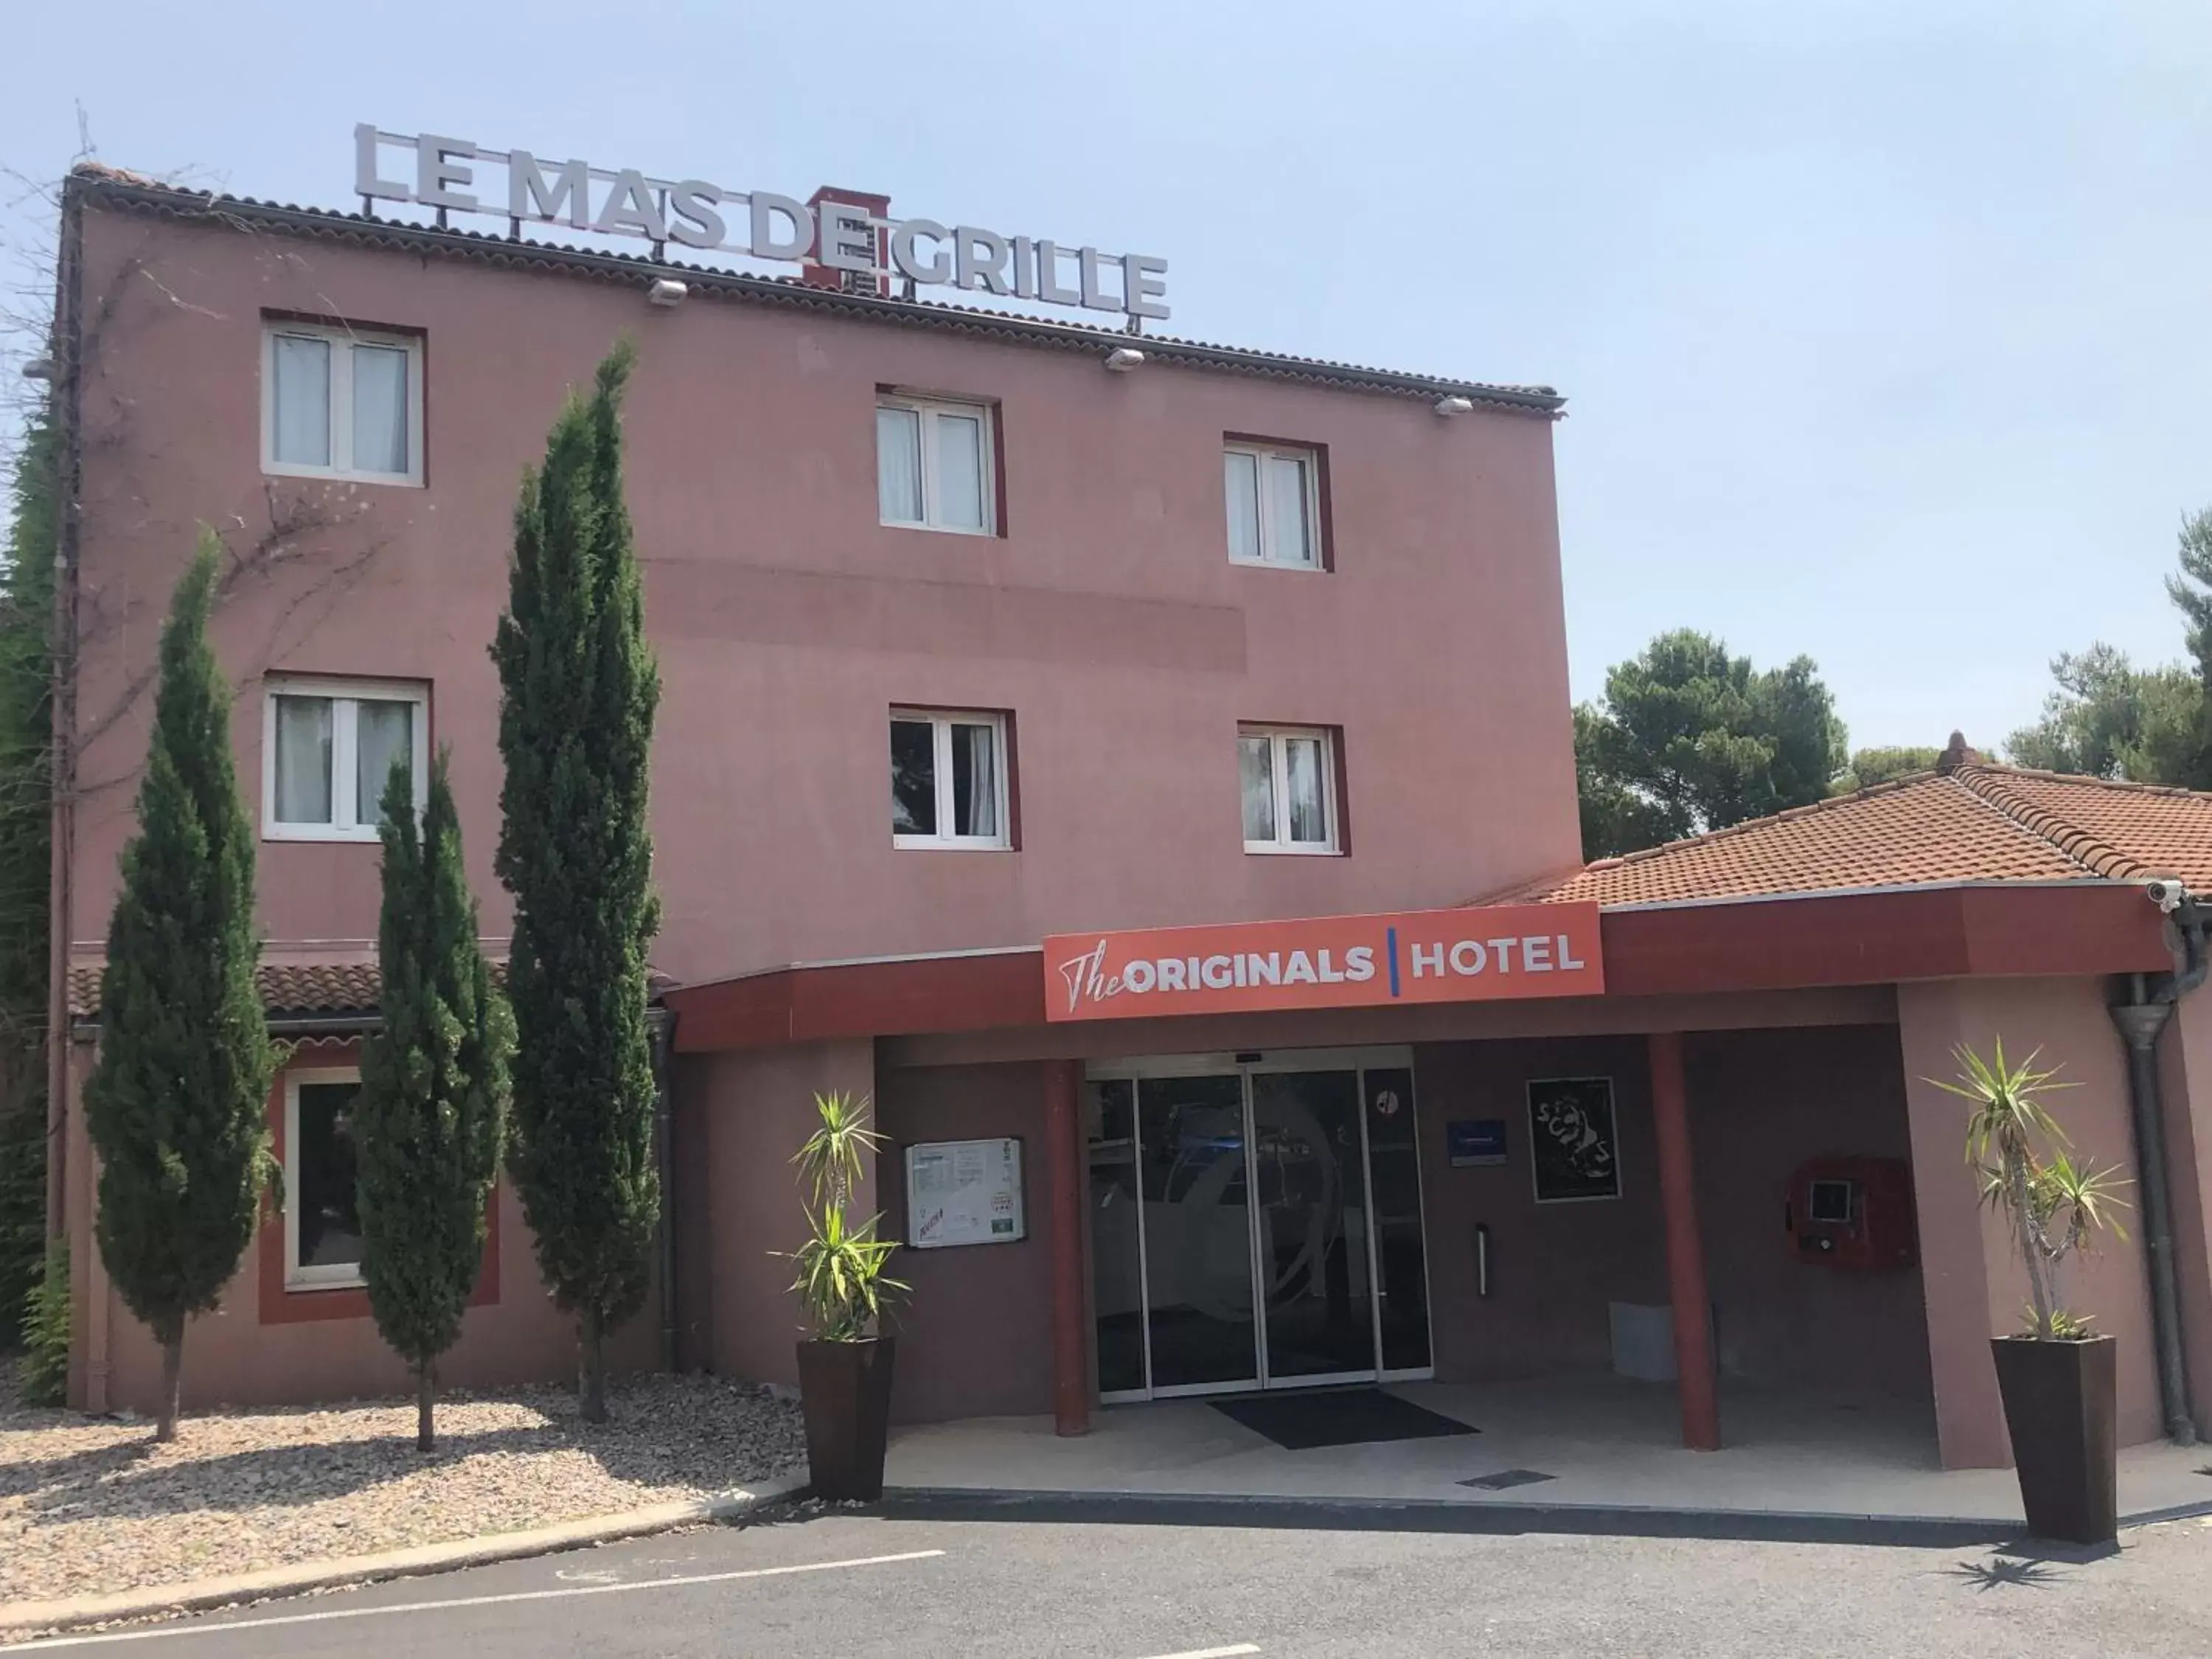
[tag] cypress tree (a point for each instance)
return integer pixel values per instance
(579, 689)
(431, 1114)
(26, 724)
(176, 1105)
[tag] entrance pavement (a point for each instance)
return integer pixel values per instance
(1605, 1442)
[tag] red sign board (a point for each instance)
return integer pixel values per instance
(1476, 954)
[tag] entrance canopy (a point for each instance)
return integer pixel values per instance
(1969, 871)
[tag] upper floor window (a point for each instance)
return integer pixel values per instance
(337, 403)
(934, 465)
(948, 786)
(1275, 505)
(322, 1217)
(1289, 778)
(327, 750)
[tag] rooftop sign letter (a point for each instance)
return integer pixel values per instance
(446, 173)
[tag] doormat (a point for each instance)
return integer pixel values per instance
(1349, 1416)
(1505, 1478)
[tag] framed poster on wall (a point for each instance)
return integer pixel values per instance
(1573, 1140)
(964, 1192)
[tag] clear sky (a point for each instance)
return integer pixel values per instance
(1884, 323)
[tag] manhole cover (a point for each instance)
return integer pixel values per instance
(1504, 1478)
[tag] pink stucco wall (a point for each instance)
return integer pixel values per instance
(1976, 1286)
(1761, 1103)
(1108, 619)
(1554, 1268)
(976, 1336)
(787, 620)
(742, 1116)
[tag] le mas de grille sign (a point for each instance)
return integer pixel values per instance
(456, 176)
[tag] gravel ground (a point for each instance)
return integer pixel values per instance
(90, 1505)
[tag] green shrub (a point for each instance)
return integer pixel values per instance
(45, 1375)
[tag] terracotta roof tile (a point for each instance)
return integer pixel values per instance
(1977, 823)
(291, 988)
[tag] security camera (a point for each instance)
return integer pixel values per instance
(2168, 895)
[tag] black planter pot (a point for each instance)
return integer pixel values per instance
(845, 1390)
(2058, 1410)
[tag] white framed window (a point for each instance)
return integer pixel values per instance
(327, 750)
(322, 1218)
(949, 779)
(1288, 776)
(934, 465)
(1273, 500)
(340, 402)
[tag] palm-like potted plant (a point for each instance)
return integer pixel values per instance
(2056, 1376)
(845, 1368)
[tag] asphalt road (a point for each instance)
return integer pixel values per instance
(852, 1585)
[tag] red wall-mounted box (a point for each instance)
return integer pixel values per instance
(1852, 1212)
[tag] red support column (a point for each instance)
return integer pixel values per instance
(1686, 1253)
(1064, 1184)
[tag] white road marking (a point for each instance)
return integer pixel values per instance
(1211, 1653)
(173, 1630)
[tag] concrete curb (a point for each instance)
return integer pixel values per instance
(1451, 1515)
(18, 1619)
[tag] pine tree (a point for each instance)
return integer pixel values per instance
(431, 1116)
(177, 1104)
(579, 689)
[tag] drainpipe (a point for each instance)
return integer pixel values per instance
(2149, 1006)
(661, 1025)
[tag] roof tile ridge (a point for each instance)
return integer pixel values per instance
(1986, 784)
(2125, 786)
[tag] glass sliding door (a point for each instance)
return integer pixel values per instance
(1199, 1318)
(1312, 1213)
(1117, 1271)
(1256, 1223)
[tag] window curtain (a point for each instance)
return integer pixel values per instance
(1240, 484)
(303, 760)
(975, 781)
(383, 732)
(379, 410)
(898, 466)
(1255, 765)
(1302, 781)
(302, 423)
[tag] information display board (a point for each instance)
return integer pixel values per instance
(964, 1192)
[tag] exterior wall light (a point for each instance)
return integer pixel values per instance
(39, 368)
(1450, 406)
(666, 291)
(1121, 359)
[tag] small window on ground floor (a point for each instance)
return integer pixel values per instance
(322, 1220)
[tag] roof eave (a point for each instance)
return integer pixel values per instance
(132, 195)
